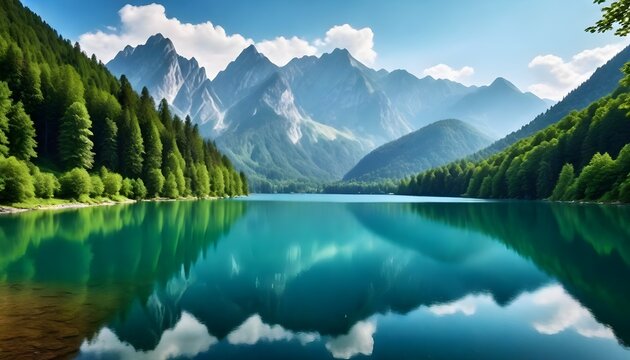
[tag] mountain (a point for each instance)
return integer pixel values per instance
(421, 100)
(431, 146)
(167, 75)
(243, 74)
(498, 108)
(269, 136)
(344, 107)
(603, 81)
(584, 156)
(495, 109)
(337, 90)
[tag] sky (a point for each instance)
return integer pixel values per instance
(539, 45)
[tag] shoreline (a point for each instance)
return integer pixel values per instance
(10, 210)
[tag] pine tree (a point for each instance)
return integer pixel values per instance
(165, 114)
(63, 91)
(5, 107)
(172, 166)
(75, 146)
(131, 145)
(202, 186)
(22, 142)
(126, 96)
(244, 187)
(108, 149)
(227, 180)
(153, 148)
(218, 185)
(104, 110)
(12, 66)
(30, 90)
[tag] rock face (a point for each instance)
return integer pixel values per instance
(315, 117)
(170, 76)
(270, 137)
(436, 144)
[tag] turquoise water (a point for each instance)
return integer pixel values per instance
(317, 277)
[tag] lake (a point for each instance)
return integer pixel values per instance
(317, 277)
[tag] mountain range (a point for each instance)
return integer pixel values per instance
(315, 117)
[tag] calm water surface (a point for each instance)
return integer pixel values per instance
(317, 277)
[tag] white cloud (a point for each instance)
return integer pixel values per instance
(188, 338)
(281, 50)
(254, 330)
(359, 42)
(211, 45)
(556, 77)
(359, 340)
(443, 71)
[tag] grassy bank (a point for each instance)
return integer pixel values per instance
(59, 204)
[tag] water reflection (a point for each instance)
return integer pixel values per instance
(359, 340)
(324, 280)
(189, 338)
(66, 274)
(186, 339)
(585, 247)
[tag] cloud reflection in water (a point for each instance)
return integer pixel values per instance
(189, 338)
(553, 309)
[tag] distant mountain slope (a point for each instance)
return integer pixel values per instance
(269, 136)
(421, 100)
(603, 81)
(497, 108)
(431, 146)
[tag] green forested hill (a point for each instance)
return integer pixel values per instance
(64, 112)
(433, 145)
(585, 156)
